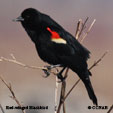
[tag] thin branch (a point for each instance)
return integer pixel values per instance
(13, 94)
(63, 87)
(13, 60)
(78, 30)
(110, 109)
(71, 89)
(83, 26)
(88, 30)
(2, 109)
(45, 69)
(56, 94)
(95, 63)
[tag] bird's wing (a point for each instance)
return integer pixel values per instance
(66, 44)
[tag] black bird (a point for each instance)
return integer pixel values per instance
(57, 46)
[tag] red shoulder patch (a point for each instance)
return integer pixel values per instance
(54, 35)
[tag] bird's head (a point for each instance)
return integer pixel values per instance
(28, 17)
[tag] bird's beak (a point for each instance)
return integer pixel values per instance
(19, 19)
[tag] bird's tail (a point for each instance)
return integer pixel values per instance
(84, 76)
(90, 91)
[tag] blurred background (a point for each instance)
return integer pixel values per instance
(28, 84)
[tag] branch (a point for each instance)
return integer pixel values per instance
(78, 30)
(13, 94)
(56, 94)
(2, 109)
(13, 60)
(88, 30)
(63, 88)
(83, 27)
(62, 97)
(95, 63)
(111, 108)
(45, 69)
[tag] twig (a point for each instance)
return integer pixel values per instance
(110, 109)
(63, 87)
(95, 63)
(2, 109)
(83, 26)
(71, 89)
(79, 24)
(88, 30)
(13, 94)
(13, 60)
(56, 94)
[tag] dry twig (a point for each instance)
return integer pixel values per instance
(88, 30)
(2, 109)
(13, 60)
(13, 94)
(79, 24)
(83, 27)
(110, 109)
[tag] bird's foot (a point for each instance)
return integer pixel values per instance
(48, 69)
(47, 73)
(59, 75)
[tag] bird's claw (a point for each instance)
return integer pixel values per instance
(46, 71)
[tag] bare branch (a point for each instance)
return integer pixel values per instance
(83, 26)
(13, 60)
(13, 94)
(88, 30)
(63, 87)
(78, 30)
(111, 108)
(95, 63)
(56, 94)
(2, 109)
(71, 89)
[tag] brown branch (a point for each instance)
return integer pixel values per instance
(95, 63)
(45, 69)
(71, 89)
(2, 109)
(13, 60)
(83, 26)
(88, 30)
(63, 88)
(110, 109)
(13, 94)
(78, 30)
(62, 95)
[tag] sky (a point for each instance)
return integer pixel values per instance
(29, 85)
